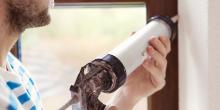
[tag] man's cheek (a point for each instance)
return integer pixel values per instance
(44, 4)
(19, 3)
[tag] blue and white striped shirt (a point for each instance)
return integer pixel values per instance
(17, 89)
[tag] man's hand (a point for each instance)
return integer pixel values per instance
(146, 79)
(150, 76)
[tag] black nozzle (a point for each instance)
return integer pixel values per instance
(118, 69)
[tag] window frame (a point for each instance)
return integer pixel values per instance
(167, 98)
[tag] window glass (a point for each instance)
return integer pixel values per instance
(54, 54)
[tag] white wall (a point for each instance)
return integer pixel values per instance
(214, 54)
(193, 53)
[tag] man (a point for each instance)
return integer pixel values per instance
(17, 89)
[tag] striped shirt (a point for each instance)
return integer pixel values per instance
(17, 89)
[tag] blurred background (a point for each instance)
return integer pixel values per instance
(54, 54)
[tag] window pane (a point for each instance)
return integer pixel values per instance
(55, 53)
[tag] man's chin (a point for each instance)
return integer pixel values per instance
(42, 19)
(20, 21)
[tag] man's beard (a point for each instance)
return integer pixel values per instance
(21, 17)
